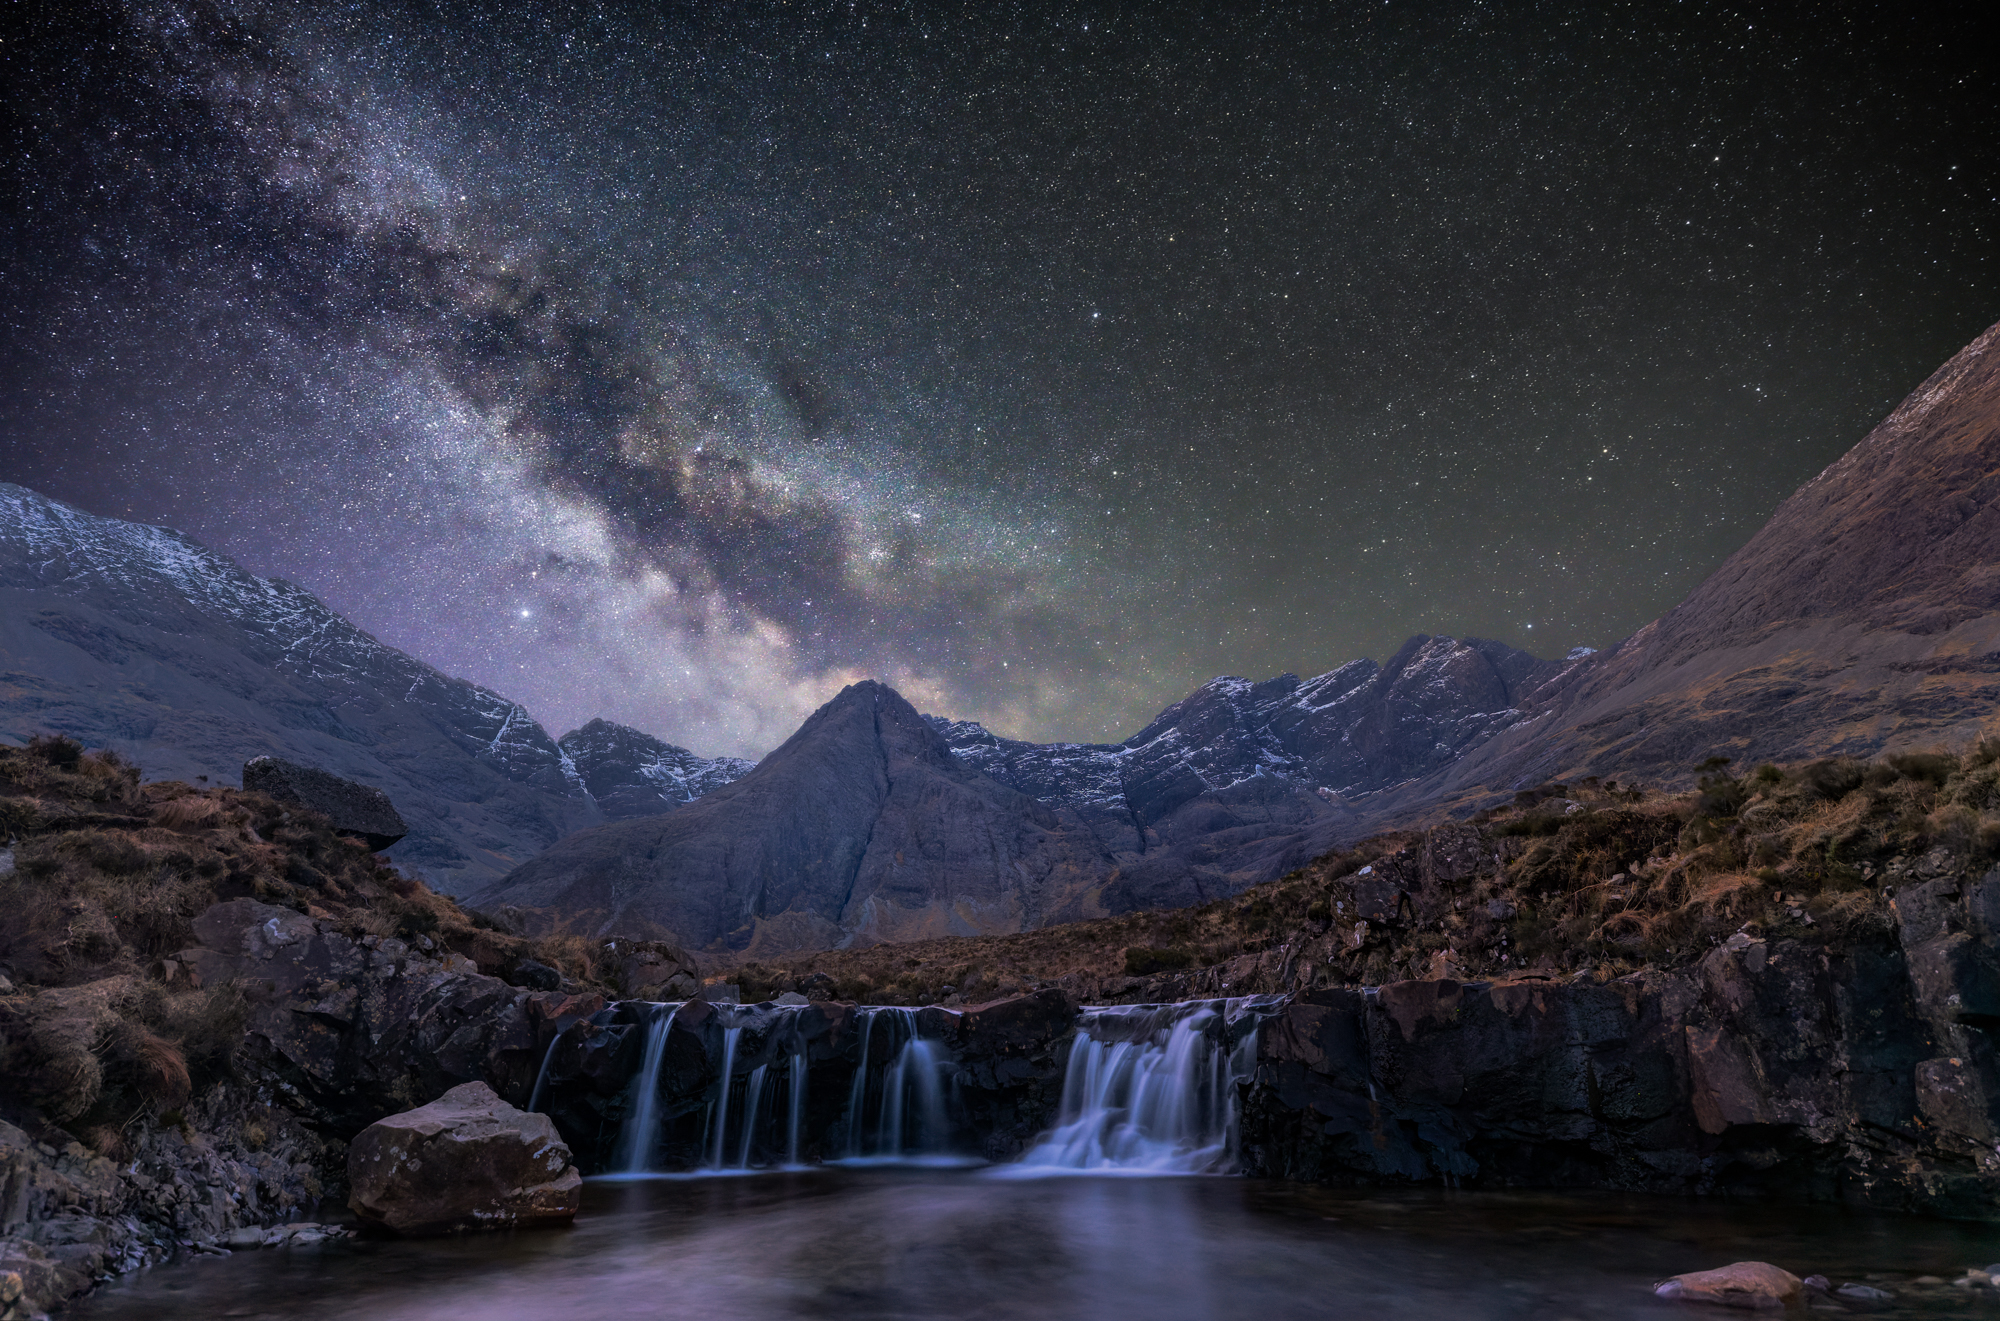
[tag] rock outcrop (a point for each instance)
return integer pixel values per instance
(355, 1029)
(1770, 1069)
(466, 1161)
(354, 808)
(70, 1217)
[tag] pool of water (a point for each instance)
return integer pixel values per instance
(964, 1244)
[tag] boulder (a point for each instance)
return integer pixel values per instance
(354, 808)
(1756, 1286)
(535, 976)
(468, 1160)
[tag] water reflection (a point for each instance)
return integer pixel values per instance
(918, 1244)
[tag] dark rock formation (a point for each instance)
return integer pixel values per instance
(357, 1029)
(468, 1160)
(69, 1217)
(354, 808)
(1771, 1068)
(629, 774)
(862, 826)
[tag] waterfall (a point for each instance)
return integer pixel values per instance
(753, 1097)
(857, 1094)
(795, 1115)
(634, 1154)
(719, 1109)
(542, 1075)
(1153, 1088)
(910, 1119)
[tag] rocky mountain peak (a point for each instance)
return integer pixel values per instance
(628, 773)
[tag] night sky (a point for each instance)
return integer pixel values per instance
(680, 364)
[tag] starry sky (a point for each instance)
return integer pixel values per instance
(680, 363)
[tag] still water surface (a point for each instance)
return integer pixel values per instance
(902, 1243)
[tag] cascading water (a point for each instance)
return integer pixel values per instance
(718, 1113)
(908, 1102)
(738, 1114)
(795, 1114)
(1153, 1089)
(634, 1153)
(542, 1075)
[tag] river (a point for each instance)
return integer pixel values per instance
(988, 1245)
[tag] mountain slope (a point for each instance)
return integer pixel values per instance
(137, 638)
(1864, 617)
(873, 823)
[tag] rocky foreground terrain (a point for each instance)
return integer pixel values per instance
(1780, 984)
(204, 994)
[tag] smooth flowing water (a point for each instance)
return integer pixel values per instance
(905, 1097)
(1152, 1089)
(642, 1127)
(847, 1244)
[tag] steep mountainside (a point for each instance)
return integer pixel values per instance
(863, 825)
(137, 638)
(1355, 730)
(1864, 617)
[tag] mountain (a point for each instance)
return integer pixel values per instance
(139, 639)
(1864, 617)
(862, 825)
(876, 823)
(629, 774)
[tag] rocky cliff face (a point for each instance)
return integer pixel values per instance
(137, 638)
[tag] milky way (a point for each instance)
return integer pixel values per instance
(679, 367)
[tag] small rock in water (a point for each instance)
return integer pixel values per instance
(1994, 1269)
(244, 1238)
(1752, 1285)
(1819, 1283)
(790, 998)
(1866, 1294)
(1928, 1279)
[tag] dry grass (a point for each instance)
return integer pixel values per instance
(109, 877)
(1619, 882)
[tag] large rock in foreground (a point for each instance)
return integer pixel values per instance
(468, 1160)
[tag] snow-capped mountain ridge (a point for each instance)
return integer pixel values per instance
(628, 773)
(1353, 731)
(139, 638)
